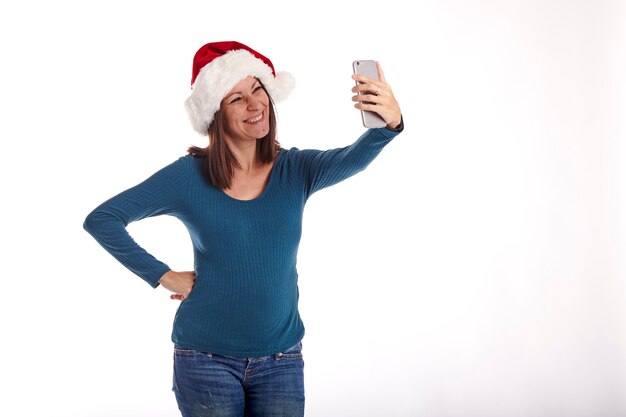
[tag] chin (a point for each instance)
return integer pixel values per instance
(262, 133)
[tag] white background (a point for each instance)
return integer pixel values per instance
(476, 268)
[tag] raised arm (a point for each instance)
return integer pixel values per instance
(325, 168)
(322, 169)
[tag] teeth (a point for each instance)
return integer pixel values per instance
(255, 119)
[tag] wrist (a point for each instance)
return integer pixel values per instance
(396, 125)
(165, 276)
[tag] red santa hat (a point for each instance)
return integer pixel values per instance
(217, 67)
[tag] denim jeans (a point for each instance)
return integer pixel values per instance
(209, 385)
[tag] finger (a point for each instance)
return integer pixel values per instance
(361, 78)
(369, 107)
(365, 80)
(364, 87)
(368, 89)
(367, 98)
(178, 297)
(381, 110)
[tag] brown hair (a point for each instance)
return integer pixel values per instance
(218, 165)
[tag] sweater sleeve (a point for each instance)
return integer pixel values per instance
(162, 193)
(322, 169)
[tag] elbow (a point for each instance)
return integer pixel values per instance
(97, 220)
(89, 224)
(103, 219)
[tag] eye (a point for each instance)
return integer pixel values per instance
(258, 88)
(234, 100)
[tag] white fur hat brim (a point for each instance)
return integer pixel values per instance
(219, 76)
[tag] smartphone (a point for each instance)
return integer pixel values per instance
(368, 68)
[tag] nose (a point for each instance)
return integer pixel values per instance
(254, 103)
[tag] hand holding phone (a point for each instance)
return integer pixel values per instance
(368, 68)
(375, 98)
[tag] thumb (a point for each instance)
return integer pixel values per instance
(381, 74)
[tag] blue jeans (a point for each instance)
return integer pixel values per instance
(209, 385)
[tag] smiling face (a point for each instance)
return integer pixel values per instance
(246, 111)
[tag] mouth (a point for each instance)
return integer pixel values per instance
(255, 119)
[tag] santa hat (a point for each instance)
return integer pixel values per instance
(217, 67)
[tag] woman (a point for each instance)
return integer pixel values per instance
(237, 332)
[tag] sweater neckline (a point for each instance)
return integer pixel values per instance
(265, 190)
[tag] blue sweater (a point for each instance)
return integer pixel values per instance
(245, 298)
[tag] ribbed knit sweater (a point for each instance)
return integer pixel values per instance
(244, 301)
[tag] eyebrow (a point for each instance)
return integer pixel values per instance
(257, 82)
